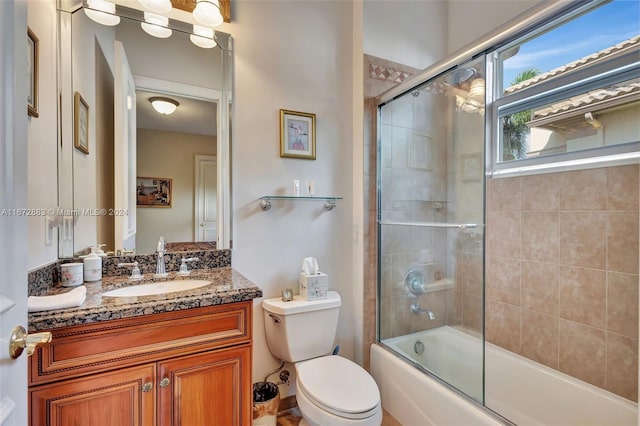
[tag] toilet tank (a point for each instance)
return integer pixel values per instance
(301, 329)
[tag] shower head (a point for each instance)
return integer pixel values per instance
(459, 75)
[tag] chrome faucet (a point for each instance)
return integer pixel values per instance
(161, 270)
(416, 309)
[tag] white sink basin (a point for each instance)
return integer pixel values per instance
(156, 288)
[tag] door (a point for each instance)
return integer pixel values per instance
(13, 228)
(122, 397)
(206, 202)
(212, 388)
(124, 155)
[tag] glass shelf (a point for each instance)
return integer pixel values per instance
(329, 202)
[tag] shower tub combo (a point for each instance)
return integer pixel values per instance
(523, 391)
(432, 360)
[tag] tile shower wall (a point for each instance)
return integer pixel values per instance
(562, 272)
(413, 158)
(379, 76)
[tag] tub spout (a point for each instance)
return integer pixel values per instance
(416, 309)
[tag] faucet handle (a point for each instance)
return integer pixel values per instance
(184, 271)
(135, 272)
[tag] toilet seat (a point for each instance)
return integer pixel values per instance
(339, 386)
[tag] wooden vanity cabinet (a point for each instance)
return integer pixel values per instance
(182, 368)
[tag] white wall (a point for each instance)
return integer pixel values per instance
(471, 19)
(41, 135)
(292, 55)
(87, 36)
(406, 32)
(169, 155)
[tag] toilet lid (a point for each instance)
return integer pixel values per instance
(339, 385)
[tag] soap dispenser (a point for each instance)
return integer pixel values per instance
(92, 266)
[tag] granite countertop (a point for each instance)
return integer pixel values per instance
(227, 286)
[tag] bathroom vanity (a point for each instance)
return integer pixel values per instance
(169, 359)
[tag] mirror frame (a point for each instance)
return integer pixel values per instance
(64, 11)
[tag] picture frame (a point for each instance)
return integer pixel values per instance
(32, 73)
(297, 135)
(471, 167)
(80, 123)
(154, 192)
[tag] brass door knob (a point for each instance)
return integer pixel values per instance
(21, 340)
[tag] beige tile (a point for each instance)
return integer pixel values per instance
(622, 366)
(472, 312)
(540, 239)
(582, 352)
(622, 242)
(583, 295)
(540, 192)
(622, 187)
(622, 304)
(504, 194)
(504, 280)
(582, 239)
(540, 287)
(583, 190)
(540, 338)
(503, 325)
(399, 315)
(455, 308)
(504, 234)
(472, 274)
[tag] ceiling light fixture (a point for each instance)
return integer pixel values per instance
(156, 6)
(207, 13)
(156, 25)
(203, 37)
(164, 105)
(103, 12)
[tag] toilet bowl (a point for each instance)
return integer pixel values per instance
(331, 390)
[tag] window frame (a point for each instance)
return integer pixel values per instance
(617, 69)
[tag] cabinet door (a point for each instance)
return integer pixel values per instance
(208, 389)
(125, 397)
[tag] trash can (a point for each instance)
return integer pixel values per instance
(266, 398)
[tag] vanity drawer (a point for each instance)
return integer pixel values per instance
(87, 349)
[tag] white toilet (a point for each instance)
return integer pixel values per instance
(331, 390)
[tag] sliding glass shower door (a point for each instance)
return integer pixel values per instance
(431, 226)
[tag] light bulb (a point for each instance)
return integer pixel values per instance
(207, 13)
(203, 37)
(157, 6)
(102, 12)
(156, 25)
(163, 105)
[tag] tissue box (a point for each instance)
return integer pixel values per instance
(314, 287)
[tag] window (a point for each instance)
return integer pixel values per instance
(573, 91)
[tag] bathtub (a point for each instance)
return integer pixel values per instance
(522, 391)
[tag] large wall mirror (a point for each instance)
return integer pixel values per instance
(129, 172)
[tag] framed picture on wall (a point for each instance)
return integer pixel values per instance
(297, 135)
(32, 73)
(80, 123)
(153, 192)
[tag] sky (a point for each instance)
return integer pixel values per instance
(606, 26)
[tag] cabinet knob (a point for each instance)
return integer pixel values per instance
(147, 387)
(164, 382)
